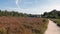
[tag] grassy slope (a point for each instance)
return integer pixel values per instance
(17, 25)
(57, 21)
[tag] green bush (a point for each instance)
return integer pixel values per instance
(57, 21)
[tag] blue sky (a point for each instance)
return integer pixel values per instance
(30, 6)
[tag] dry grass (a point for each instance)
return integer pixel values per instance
(17, 25)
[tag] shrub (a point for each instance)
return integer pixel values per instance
(2, 30)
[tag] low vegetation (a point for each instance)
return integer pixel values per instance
(57, 21)
(12, 22)
(54, 15)
(21, 25)
(16, 14)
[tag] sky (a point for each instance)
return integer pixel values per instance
(30, 6)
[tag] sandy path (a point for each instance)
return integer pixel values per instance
(52, 28)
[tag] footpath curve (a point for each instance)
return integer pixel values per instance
(52, 28)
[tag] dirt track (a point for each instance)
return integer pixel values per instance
(52, 28)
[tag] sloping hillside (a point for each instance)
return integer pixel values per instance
(16, 25)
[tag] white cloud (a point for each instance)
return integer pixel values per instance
(39, 10)
(51, 7)
(57, 7)
(19, 8)
(29, 10)
(17, 2)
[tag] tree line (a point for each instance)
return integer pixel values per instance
(16, 14)
(52, 14)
